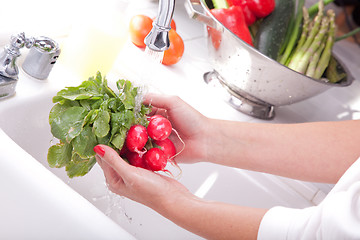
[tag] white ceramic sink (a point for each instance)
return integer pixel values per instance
(24, 118)
(36, 196)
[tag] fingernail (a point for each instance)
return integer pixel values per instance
(99, 150)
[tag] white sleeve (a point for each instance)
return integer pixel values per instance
(337, 217)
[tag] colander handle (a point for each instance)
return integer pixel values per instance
(194, 14)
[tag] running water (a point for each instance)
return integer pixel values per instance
(156, 56)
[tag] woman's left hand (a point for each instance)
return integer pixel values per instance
(141, 185)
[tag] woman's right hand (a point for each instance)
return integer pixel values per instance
(190, 125)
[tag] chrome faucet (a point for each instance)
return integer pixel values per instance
(158, 38)
(8, 68)
(43, 54)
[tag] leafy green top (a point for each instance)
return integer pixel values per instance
(91, 114)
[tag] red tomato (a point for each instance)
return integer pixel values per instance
(139, 27)
(173, 24)
(176, 49)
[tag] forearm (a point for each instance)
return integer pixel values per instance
(213, 220)
(320, 151)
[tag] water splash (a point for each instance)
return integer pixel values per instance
(142, 91)
(115, 208)
(156, 56)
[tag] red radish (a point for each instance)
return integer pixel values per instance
(155, 159)
(136, 138)
(149, 118)
(167, 146)
(159, 128)
(136, 159)
(123, 151)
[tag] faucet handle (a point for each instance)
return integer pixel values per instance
(8, 67)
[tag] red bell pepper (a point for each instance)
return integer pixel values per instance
(250, 17)
(261, 8)
(233, 19)
(254, 9)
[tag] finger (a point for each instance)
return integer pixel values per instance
(113, 179)
(112, 159)
(161, 101)
(158, 111)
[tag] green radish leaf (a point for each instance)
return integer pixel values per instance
(79, 167)
(101, 124)
(56, 110)
(84, 143)
(119, 138)
(126, 94)
(125, 119)
(59, 155)
(68, 124)
(104, 140)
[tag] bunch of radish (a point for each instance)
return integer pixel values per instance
(149, 147)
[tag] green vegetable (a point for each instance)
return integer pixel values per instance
(91, 114)
(326, 54)
(349, 34)
(220, 4)
(313, 51)
(314, 9)
(333, 72)
(293, 33)
(301, 58)
(272, 31)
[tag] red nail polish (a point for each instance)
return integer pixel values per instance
(99, 150)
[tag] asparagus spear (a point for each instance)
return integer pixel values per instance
(315, 8)
(305, 29)
(314, 59)
(331, 71)
(303, 62)
(325, 56)
(298, 55)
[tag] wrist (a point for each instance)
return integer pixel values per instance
(214, 145)
(177, 208)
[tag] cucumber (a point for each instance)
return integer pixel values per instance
(220, 4)
(273, 28)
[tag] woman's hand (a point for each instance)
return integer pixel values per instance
(172, 200)
(191, 126)
(151, 189)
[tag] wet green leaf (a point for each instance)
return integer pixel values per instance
(84, 143)
(68, 124)
(79, 167)
(119, 138)
(101, 124)
(59, 155)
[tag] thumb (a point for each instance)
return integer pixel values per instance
(112, 158)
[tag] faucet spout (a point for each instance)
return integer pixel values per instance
(158, 38)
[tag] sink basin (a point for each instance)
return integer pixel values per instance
(24, 118)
